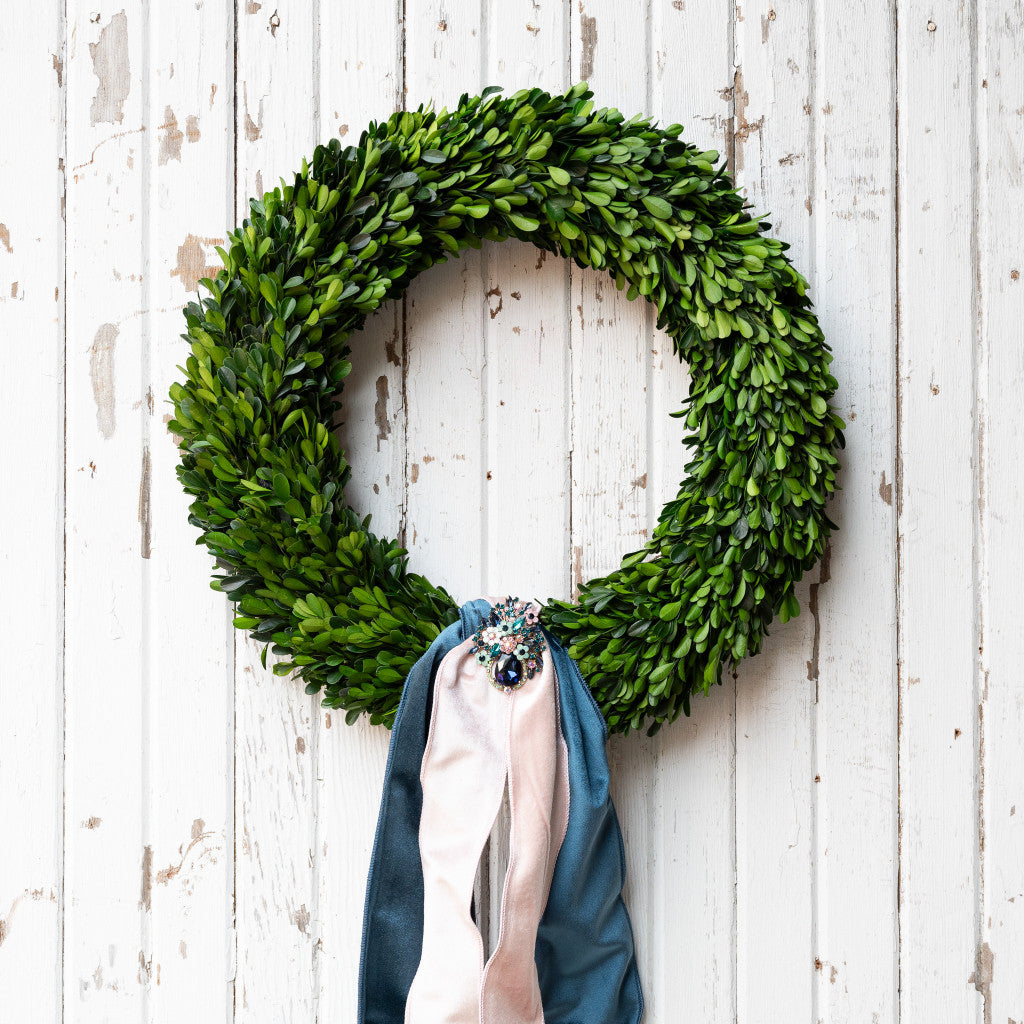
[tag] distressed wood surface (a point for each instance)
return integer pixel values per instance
(857, 953)
(277, 725)
(937, 514)
(109, 807)
(363, 83)
(32, 305)
(837, 833)
(999, 553)
(775, 711)
(191, 738)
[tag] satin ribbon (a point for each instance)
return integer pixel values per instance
(479, 739)
(565, 951)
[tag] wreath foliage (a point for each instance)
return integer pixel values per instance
(269, 354)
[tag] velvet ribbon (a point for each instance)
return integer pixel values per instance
(455, 742)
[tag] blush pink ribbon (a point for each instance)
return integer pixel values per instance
(480, 739)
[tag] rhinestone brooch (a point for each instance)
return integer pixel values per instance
(510, 644)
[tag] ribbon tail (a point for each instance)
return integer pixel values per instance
(393, 909)
(585, 953)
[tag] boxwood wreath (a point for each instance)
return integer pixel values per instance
(270, 345)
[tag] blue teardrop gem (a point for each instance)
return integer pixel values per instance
(508, 671)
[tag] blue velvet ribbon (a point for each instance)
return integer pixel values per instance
(586, 963)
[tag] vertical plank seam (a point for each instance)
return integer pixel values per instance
(234, 111)
(146, 794)
(62, 607)
(316, 718)
(894, 189)
(570, 392)
(819, 992)
(898, 479)
(656, 940)
(486, 259)
(730, 144)
(650, 308)
(567, 367)
(979, 147)
(232, 637)
(401, 90)
(487, 871)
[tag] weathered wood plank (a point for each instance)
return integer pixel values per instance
(360, 81)
(108, 967)
(526, 381)
(277, 731)
(937, 512)
(189, 644)
(998, 973)
(853, 607)
(611, 344)
(526, 351)
(447, 425)
(775, 711)
(610, 337)
(444, 337)
(689, 767)
(32, 297)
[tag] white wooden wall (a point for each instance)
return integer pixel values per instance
(837, 834)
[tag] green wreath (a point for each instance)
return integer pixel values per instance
(261, 388)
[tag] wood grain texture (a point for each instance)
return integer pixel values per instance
(836, 834)
(771, 154)
(191, 749)
(360, 81)
(937, 514)
(690, 766)
(108, 843)
(526, 381)
(855, 649)
(446, 423)
(997, 974)
(611, 344)
(277, 730)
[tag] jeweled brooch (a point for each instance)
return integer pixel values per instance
(510, 644)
